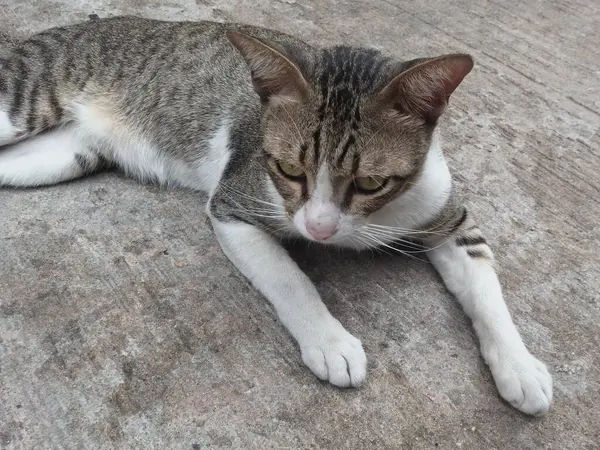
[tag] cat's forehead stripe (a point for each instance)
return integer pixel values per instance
(355, 68)
(346, 74)
(342, 156)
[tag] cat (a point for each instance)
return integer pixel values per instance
(335, 145)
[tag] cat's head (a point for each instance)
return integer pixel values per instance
(346, 131)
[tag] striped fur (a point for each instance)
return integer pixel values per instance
(336, 145)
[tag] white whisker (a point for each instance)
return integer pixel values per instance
(249, 197)
(293, 122)
(383, 244)
(285, 140)
(399, 230)
(394, 236)
(284, 125)
(421, 250)
(376, 132)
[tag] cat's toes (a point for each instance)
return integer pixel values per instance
(524, 382)
(337, 357)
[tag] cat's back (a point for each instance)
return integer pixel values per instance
(157, 68)
(136, 44)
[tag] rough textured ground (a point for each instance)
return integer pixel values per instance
(122, 325)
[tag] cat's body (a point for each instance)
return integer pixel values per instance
(113, 74)
(336, 145)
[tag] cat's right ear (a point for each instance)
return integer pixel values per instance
(274, 74)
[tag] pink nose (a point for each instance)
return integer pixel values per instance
(321, 231)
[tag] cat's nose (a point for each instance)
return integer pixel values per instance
(321, 230)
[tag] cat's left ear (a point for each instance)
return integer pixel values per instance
(423, 89)
(274, 73)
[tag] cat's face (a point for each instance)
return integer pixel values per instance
(334, 175)
(349, 133)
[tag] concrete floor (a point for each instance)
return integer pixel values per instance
(122, 325)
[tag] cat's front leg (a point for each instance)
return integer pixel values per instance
(330, 351)
(465, 262)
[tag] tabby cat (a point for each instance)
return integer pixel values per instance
(335, 145)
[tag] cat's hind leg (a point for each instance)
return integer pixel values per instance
(58, 155)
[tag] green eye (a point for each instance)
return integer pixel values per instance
(370, 184)
(291, 170)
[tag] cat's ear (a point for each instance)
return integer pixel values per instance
(423, 89)
(274, 73)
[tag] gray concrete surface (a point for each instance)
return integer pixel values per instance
(122, 325)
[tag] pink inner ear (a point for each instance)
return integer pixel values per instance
(425, 88)
(458, 67)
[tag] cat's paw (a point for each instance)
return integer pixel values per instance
(335, 355)
(524, 382)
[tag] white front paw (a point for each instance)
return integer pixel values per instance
(523, 381)
(335, 355)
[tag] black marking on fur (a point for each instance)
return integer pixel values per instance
(3, 82)
(157, 97)
(376, 70)
(31, 115)
(154, 37)
(103, 162)
(40, 45)
(464, 241)
(45, 81)
(243, 137)
(89, 70)
(171, 51)
(118, 76)
(86, 164)
(20, 82)
(236, 218)
(348, 196)
(461, 220)
(227, 215)
(355, 162)
(349, 142)
(357, 118)
(476, 253)
(57, 110)
(58, 40)
(302, 154)
(352, 188)
(71, 53)
(104, 50)
(317, 143)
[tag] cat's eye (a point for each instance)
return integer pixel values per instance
(291, 171)
(370, 184)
